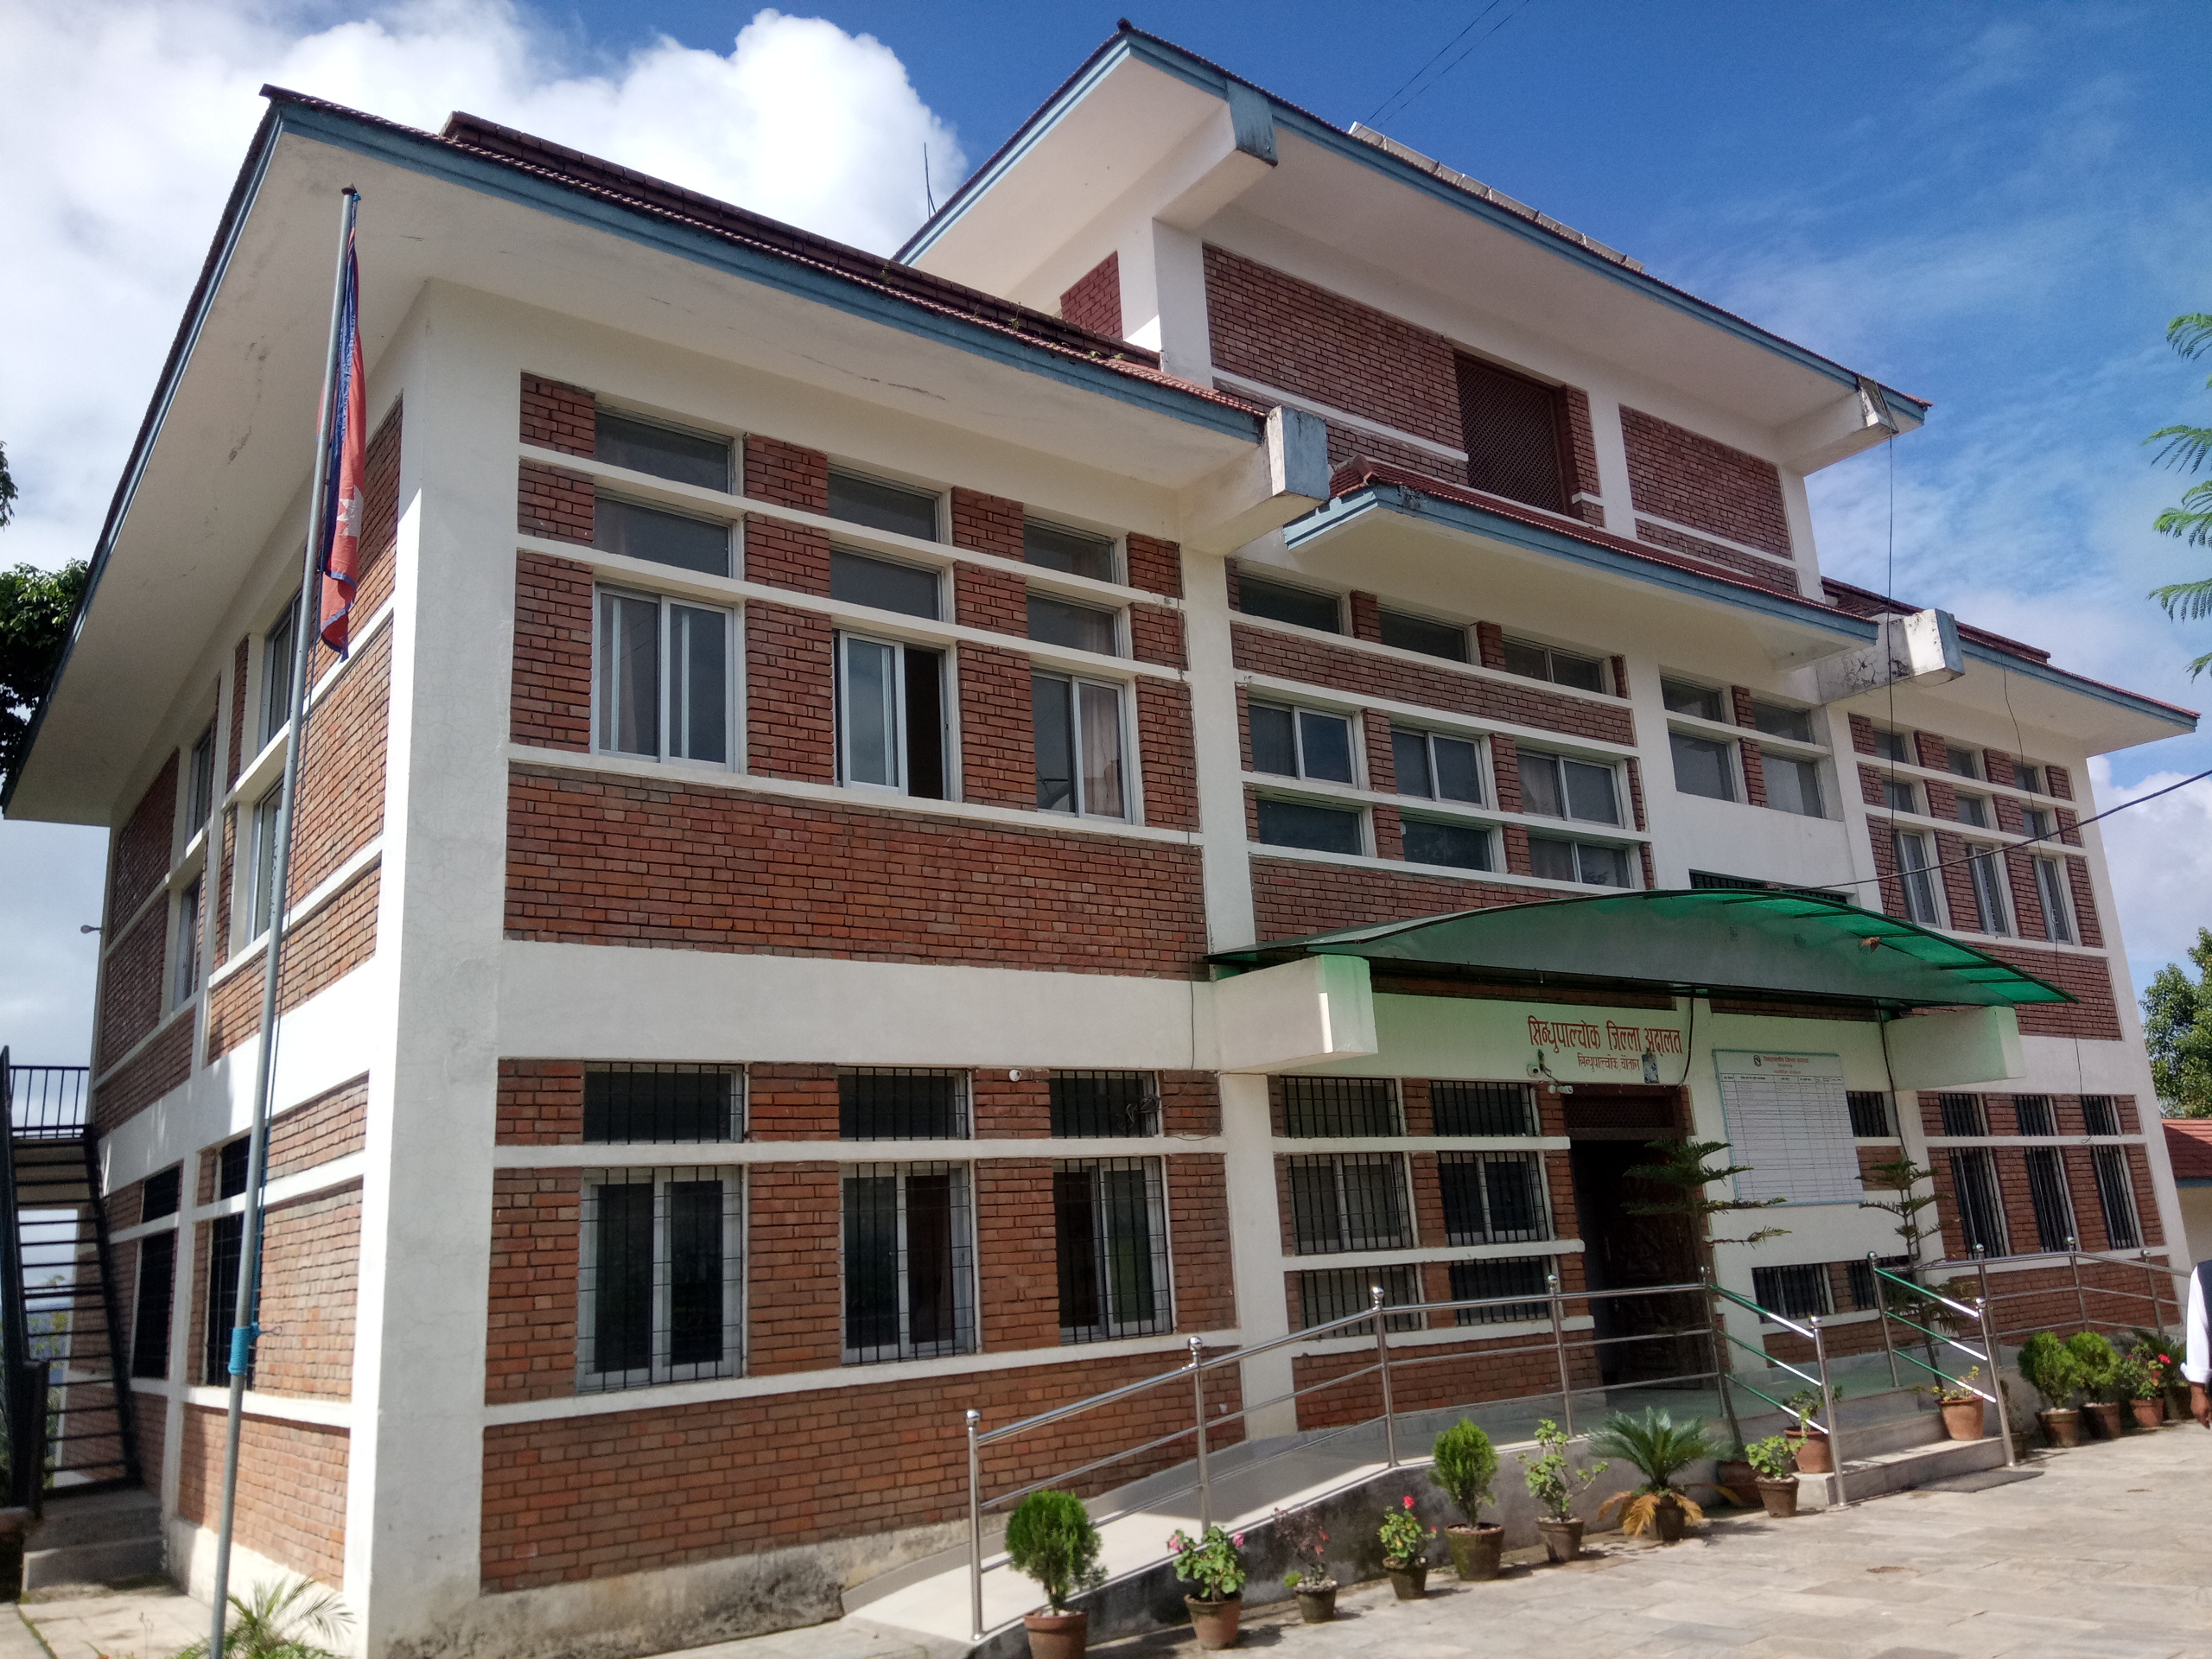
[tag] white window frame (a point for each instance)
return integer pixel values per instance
(1353, 734)
(1344, 1241)
(1076, 683)
(264, 853)
(1154, 1170)
(842, 712)
(601, 664)
(190, 911)
(1820, 782)
(1985, 870)
(1491, 1233)
(1627, 851)
(1910, 791)
(277, 715)
(1894, 746)
(967, 1339)
(590, 1378)
(1485, 780)
(2053, 887)
(1930, 892)
(1620, 820)
(1961, 799)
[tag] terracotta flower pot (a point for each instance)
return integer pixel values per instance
(1563, 1539)
(1738, 1480)
(1214, 1621)
(1057, 1635)
(1475, 1551)
(2062, 1428)
(1316, 1603)
(1780, 1497)
(2103, 1416)
(1668, 1520)
(2149, 1413)
(1962, 1419)
(1410, 1583)
(1812, 1449)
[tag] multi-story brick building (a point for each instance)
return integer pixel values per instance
(807, 884)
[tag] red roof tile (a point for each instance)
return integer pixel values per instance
(2189, 1144)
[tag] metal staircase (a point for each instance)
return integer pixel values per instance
(65, 1395)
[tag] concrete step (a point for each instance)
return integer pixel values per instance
(1899, 1471)
(98, 1538)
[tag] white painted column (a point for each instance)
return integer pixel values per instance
(1612, 462)
(1219, 755)
(1256, 1240)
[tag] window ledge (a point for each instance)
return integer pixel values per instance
(1401, 867)
(1442, 664)
(632, 1154)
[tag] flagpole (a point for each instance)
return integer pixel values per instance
(305, 636)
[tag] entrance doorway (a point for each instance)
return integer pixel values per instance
(1610, 1130)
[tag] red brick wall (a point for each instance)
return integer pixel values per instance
(540, 1104)
(986, 524)
(1017, 1270)
(554, 503)
(790, 673)
(1167, 754)
(149, 1418)
(2088, 978)
(792, 1102)
(1262, 650)
(783, 555)
(141, 846)
(558, 416)
(1678, 475)
(998, 748)
(1581, 448)
(791, 1262)
(550, 705)
(530, 1330)
(1153, 565)
(318, 952)
(342, 773)
(1776, 578)
(1291, 898)
(291, 1500)
(1198, 1233)
(1190, 1103)
(593, 859)
(788, 474)
(376, 570)
(312, 1258)
(1156, 635)
(239, 658)
(131, 989)
(165, 1065)
(332, 1125)
(1095, 300)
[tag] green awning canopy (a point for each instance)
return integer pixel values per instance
(1757, 943)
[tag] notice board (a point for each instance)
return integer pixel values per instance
(1789, 1119)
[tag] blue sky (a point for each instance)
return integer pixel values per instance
(1996, 207)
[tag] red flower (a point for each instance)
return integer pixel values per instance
(1409, 1500)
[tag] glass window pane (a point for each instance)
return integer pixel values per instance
(1409, 758)
(1088, 1104)
(1898, 797)
(1056, 548)
(1445, 639)
(2029, 777)
(932, 1297)
(1459, 773)
(264, 857)
(1051, 713)
(698, 690)
(1515, 1204)
(881, 505)
(922, 681)
(1552, 859)
(1101, 752)
(1964, 762)
(2051, 884)
(1603, 867)
(1274, 744)
(1778, 722)
(636, 531)
(1590, 793)
(1793, 785)
(1540, 785)
(1702, 768)
(629, 674)
(1374, 1206)
(277, 672)
(1531, 660)
(1460, 1179)
(1056, 622)
(1460, 846)
(883, 583)
(1076, 1229)
(1975, 810)
(1131, 1295)
(1891, 745)
(659, 1103)
(156, 1300)
(202, 800)
(622, 1281)
(695, 1272)
(895, 1104)
(1683, 698)
(872, 1263)
(1584, 673)
(868, 703)
(1324, 746)
(1317, 829)
(1317, 1220)
(1257, 597)
(663, 451)
(1460, 1108)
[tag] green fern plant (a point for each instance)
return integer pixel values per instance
(287, 1619)
(1658, 1448)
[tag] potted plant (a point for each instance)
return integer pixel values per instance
(2099, 1367)
(1308, 1544)
(2049, 1366)
(1465, 1463)
(2139, 1383)
(2155, 1359)
(1960, 1406)
(1658, 1448)
(1404, 1550)
(1810, 1444)
(1734, 1475)
(1050, 1538)
(1777, 1485)
(1554, 1483)
(1215, 1563)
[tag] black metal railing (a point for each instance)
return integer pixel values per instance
(46, 1102)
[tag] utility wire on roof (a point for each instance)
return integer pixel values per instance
(1408, 102)
(1439, 52)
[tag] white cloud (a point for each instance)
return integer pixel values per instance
(2160, 857)
(123, 123)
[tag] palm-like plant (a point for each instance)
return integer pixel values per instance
(1658, 1448)
(2188, 448)
(277, 1621)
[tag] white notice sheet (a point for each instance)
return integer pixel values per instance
(1789, 1119)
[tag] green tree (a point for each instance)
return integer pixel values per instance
(2188, 448)
(2177, 1030)
(36, 607)
(1681, 1170)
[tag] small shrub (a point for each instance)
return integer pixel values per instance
(1213, 1562)
(1403, 1538)
(1307, 1541)
(1551, 1481)
(277, 1621)
(1771, 1457)
(1050, 1538)
(1465, 1466)
(2050, 1370)
(2099, 1363)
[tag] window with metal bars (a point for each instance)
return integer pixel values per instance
(157, 1299)
(1511, 427)
(1863, 1285)
(1870, 1113)
(224, 1235)
(1493, 1198)
(1110, 1221)
(2116, 1197)
(663, 1103)
(2047, 1196)
(1981, 1211)
(659, 1277)
(2098, 1114)
(1796, 1291)
(2031, 1114)
(163, 1190)
(897, 1103)
(1352, 1201)
(1456, 1108)
(910, 1261)
(1962, 1115)
(1519, 1276)
(1098, 1104)
(1317, 1107)
(232, 1165)
(1326, 1294)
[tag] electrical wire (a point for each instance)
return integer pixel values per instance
(1410, 102)
(1439, 52)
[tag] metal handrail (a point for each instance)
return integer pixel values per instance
(1979, 1313)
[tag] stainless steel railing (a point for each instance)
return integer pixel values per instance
(1989, 1354)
